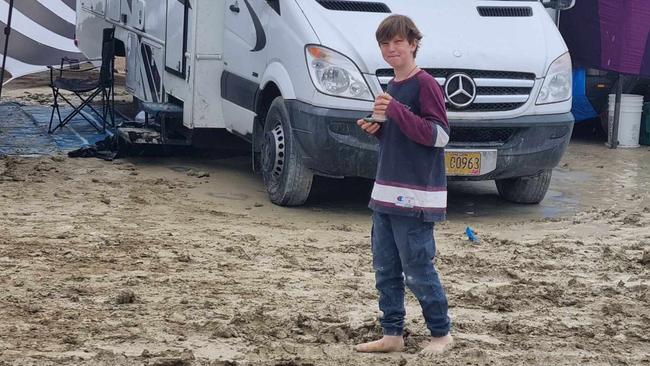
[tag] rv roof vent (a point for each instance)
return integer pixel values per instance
(360, 6)
(505, 11)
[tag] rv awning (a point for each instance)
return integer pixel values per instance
(609, 35)
(42, 32)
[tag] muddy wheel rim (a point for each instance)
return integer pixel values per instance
(273, 152)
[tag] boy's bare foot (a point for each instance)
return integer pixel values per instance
(386, 344)
(437, 345)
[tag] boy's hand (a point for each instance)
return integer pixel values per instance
(381, 104)
(370, 128)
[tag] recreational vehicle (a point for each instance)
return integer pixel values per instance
(293, 76)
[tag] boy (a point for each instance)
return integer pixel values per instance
(410, 193)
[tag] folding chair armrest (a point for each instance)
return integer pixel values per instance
(74, 63)
(80, 70)
(52, 68)
(67, 70)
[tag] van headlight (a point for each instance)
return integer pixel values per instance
(334, 74)
(557, 85)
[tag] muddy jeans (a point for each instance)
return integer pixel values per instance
(404, 246)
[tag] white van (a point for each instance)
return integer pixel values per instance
(293, 76)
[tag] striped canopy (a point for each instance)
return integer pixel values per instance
(42, 33)
(612, 35)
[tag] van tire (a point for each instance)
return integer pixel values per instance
(525, 189)
(287, 180)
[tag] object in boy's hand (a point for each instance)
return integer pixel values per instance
(379, 118)
(373, 120)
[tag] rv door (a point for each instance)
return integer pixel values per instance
(176, 37)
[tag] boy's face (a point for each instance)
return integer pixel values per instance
(398, 52)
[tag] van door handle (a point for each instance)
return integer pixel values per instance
(234, 8)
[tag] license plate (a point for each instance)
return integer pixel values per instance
(463, 163)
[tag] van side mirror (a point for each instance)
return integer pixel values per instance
(559, 4)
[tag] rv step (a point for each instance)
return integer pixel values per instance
(167, 110)
(147, 136)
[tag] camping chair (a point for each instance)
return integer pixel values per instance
(86, 85)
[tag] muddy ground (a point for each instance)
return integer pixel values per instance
(183, 261)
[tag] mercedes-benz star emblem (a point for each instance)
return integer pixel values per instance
(460, 90)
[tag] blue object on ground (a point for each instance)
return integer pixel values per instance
(23, 131)
(471, 235)
(582, 109)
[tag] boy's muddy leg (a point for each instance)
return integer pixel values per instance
(390, 284)
(417, 247)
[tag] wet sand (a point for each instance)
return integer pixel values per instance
(183, 261)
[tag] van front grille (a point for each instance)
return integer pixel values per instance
(496, 91)
(488, 107)
(443, 73)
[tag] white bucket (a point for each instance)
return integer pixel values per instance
(629, 125)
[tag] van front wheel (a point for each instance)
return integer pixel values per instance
(525, 189)
(286, 178)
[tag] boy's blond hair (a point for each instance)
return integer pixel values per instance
(402, 26)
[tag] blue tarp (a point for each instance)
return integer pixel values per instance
(23, 131)
(582, 108)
